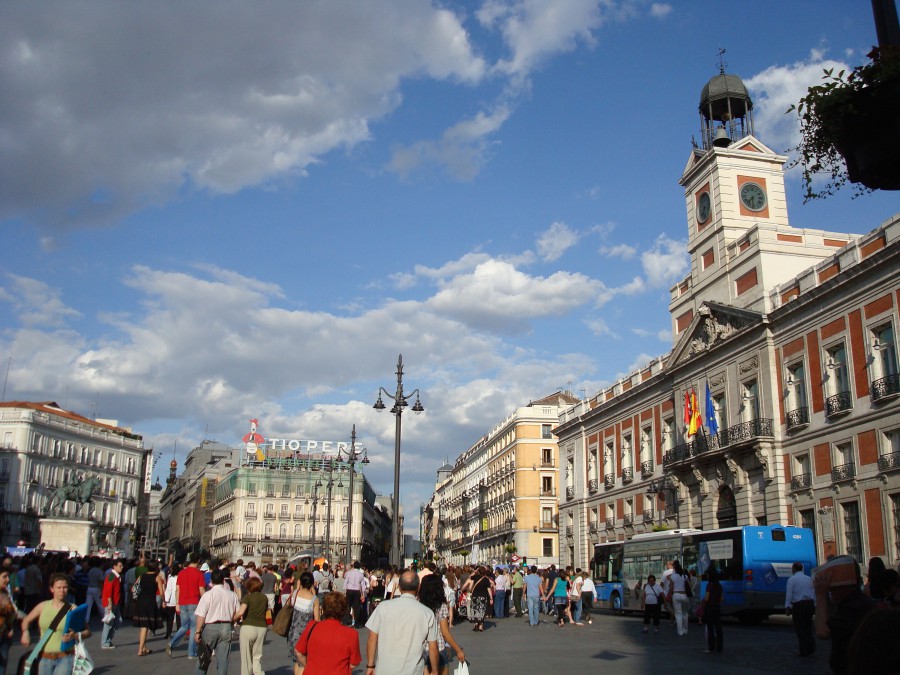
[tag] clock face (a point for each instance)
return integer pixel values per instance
(703, 208)
(753, 196)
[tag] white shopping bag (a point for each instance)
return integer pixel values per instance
(83, 662)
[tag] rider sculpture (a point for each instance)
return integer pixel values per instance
(78, 491)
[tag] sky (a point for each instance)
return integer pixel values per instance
(217, 211)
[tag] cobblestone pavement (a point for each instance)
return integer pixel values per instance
(611, 644)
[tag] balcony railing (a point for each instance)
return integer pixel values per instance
(570, 492)
(592, 528)
(269, 515)
(648, 515)
(627, 474)
(610, 523)
(843, 472)
(298, 516)
(547, 464)
(796, 419)
(838, 404)
(548, 493)
(609, 480)
(569, 530)
(593, 485)
(889, 462)
(647, 468)
(628, 519)
(734, 435)
(802, 481)
(548, 525)
(886, 387)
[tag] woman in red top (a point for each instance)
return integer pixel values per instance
(327, 647)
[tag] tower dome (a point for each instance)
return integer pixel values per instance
(726, 110)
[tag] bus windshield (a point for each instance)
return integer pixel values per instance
(607, 562)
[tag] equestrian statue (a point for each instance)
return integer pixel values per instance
(78, 491)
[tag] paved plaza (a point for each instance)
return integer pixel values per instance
(610, 644)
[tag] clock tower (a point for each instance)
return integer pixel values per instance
(739, 238)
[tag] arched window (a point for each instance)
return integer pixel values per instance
(249, 529)
(726, 512)
(282, 530)
(268, 530)
(298, 531)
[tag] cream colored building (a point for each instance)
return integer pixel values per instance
(501, 496)
(44, 447)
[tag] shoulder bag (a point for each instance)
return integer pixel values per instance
(282, 624)
(28, 662)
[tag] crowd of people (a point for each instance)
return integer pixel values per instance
(209, 603)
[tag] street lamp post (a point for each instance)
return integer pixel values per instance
(315, 504)
(353, 454)
(400, 402)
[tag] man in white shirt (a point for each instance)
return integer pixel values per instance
(398, 630)
(214, 616)
(800, 604)
(664, 583)
(354, 586)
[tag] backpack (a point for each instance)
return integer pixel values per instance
(135, 590)
(325, 583)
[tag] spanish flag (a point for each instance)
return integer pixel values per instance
(696, 419)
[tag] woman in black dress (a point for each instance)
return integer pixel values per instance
(147, 616)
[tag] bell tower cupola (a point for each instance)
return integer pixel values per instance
(726, 110)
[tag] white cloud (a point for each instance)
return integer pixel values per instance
(600, 328)
(623, 251)
(461, 150)
(498, 297)
(640, 362)
(660, 10)
(533, 31)
(664, 335)
(776, 89)
(35, 303)
(666, 263)
(110, 108)
(558, 239)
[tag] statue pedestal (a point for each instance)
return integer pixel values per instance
(67, 534)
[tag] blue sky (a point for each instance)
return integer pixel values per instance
(212, 212)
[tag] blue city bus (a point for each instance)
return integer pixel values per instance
(753, 562)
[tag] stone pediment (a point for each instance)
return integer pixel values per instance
(713, 324)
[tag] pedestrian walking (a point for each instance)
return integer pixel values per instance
(652, 599)
(800, 605)
(479, 588)
(533, 595)
(354, 587)
(95, 588)
(9, 617)
(518, 588)
(501, 588)
(588, 595)
(172, 618)
(215, 621)
(145, 612)
(559, 591)
(328, 647)
(397, 631)
(679, 597)
(111, 597)
(712, 612)
(431, 594)
(306, 609)
(575, 584)
(253, 607)
(189, 590)
(54, 661)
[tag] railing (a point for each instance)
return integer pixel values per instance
(284, 514)
(735, 435)
(628, 519)
(547, 464)
(648, 515)
(647, 468)
(627, 474)
(610, 523)
(609, 480)
(269, 515)
(569, 531)
(250, 514)
(889, 461)
(886, 387)
(548, 493)
(795, 419)
(570, 492)
(299, 516)
(593, 485)
(801, 482)
(843, 472)
(592, 528)
(548, 525)
(838, 404)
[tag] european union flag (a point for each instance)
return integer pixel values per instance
(711, 422)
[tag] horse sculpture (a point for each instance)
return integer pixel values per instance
(79, 492)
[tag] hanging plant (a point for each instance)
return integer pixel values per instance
(510, 548)
(850, 129)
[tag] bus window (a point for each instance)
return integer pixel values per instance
(720, 550)
(608, 562)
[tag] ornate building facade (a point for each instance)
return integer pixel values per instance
(44, 447)
(792, 332)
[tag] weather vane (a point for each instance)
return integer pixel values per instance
(722, 62)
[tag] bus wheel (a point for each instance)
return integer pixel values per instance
(616, 602)
(751, 618)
